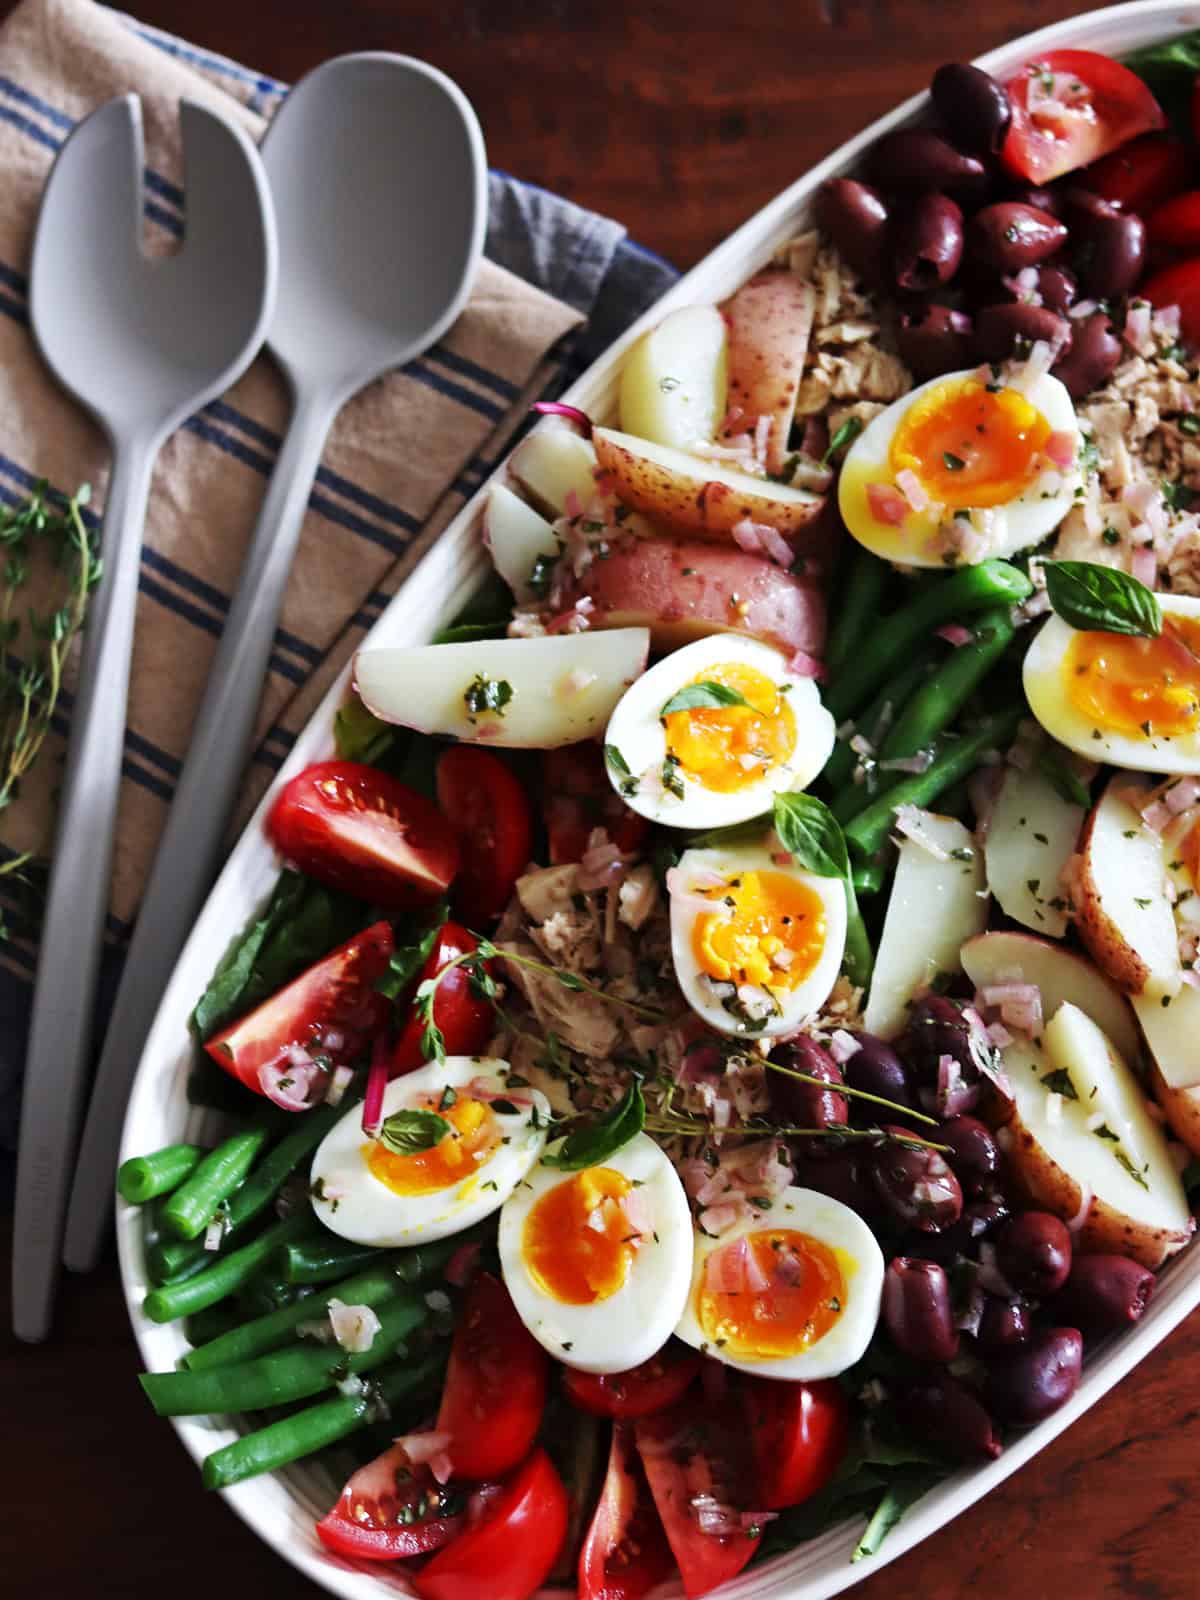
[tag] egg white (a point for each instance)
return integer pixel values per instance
(635, 729)
(1044, 676)
(1019, 524)
(631, 1325)
(352, 1202)
(704, 997)
(859, 1257)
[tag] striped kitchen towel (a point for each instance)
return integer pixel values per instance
(403, 456)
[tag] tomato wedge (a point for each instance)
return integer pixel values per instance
(625, 1552)
(467, 1020)
(509, 1553)
(578, 797)
(495, 1388)
(331, 1009)
(694, 1458)
(1178, 285)
(640, 1391)
(1142, 174)
(489, 810)
(1069, 108)
(390, 1510)
(798, 1433)
(1175, 227)
(355, 828)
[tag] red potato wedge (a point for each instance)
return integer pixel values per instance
(1181, 1107)
(690, 494)
(1172, 1034)
(684, 589)
(770, 320)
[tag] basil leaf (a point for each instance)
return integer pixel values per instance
(407, 1133)
(1064, 782)
(1088, 596)
(594, 1142)
(359, 735)
(703, 697)
(811, 835)
(846, 435)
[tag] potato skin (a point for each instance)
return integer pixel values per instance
(684, 589)
(770, 319)
(1181, 1107)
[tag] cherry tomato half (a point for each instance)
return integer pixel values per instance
(1096, 106)
(336, 995)
(578, 797)
(467, 1020)
(1174, 229)
(653, 1386)
(625, 1552)
(489, 811)
(390, 1510)
(798, 1434)
(1142, 174)
(508, 1554)
(355, 828)
(1178, 285)
(495, 1390)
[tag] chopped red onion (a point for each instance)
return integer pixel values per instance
(954, 633)
(910, 822)
(429, 1449)
(1137, 327)
(843, 1045)
(1144, 566)
(354, 1327)
(886, 504)
(913, 490)
(718, 1219)
(746, 536)
(338, 1085)
(214, 1233)
(990, 1276)
(1076, 1222)
(556, 408)
(291, 1088)
(1060, 447)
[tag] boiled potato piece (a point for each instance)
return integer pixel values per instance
(770, 320)
(934, 907)
(1173, 1035)
(1124, 916)
(694, 495)
(516, 536)
(1181, 1107)
(674, 379)
(525, 693)
(553, 464)
(1032, 834)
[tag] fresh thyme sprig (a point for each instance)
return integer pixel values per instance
(855, 1094)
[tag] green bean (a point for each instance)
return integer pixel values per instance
(877, 718)
(953, 760)
(227, 1274)
(291, 1438)
(211, 1324)
(858, 606)
(421, 1262)
(889, 641)
(263, 1294)
(172, 1260)
(142, 1178)
(282, 1376)
(194, 1205)
(867, 876)
(323, 1259)
(858, 959)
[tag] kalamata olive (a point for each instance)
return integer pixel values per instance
(807, 1105)
(1104, 1293)
(855, 217)
(915, 1184)
(1039, 1377)
(1057, 288)
(1108, 245)
(943, 1412)
(974, 107)
(973, 1152)
(934, 340)
(842, 1174)
(1004, 1325)
(1001, 329)
(1029, 194)
(875, 1068)
(918, 158)
(981, 1218)
(917, 1310)
(1008, 236)
(1033, 1251)
(937, 1048)
(927, 242)
(1094, 352)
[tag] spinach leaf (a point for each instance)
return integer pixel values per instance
(702, 697)
(811, 835)
(905, 1489)
(1088, 596)
(360, 735)
(1169, 69)
(594, 1142)
(408, 959)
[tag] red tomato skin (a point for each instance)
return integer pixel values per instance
(490, 812)
(337, 990)
(1124, 108)
(467, 1021)
(578, 797)
(1174, 229)
(1142, 174)
(655, 1385)
(509, 1554)
(625, 1553)
(380, 1538)
(355, 828)
(495, 1389)
(798, 1433)
(1178, 285)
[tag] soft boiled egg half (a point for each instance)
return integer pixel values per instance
(962, 468)
(598, 1262)
(375, 1191)
(1119, 698)
(744, 728)
(756, 942)
(790, 1292)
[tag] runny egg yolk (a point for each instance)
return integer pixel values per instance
(473, 1139)
(803, 1298)
(578, 1241)
(1126, 684)
(773, 935)
(971, 445)
(727, 747)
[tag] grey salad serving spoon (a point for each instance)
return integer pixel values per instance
(377, 170)
(141, 343)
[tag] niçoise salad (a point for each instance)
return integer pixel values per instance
(702, 1074)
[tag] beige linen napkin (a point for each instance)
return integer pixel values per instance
(398, 464)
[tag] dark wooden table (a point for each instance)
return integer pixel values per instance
(680, 117)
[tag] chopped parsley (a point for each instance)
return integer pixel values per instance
(486, 694)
